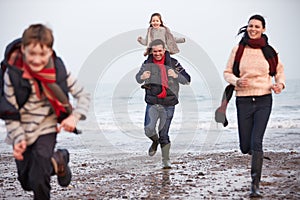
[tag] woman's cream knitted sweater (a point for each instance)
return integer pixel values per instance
(255, 68)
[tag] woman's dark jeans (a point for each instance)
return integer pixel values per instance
(253, 114)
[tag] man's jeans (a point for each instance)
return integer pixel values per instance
(165, 115)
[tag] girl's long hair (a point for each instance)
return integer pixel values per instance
(159, 16)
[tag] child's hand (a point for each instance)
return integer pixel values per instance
(19, 149)
(145, 75)
(172, 73)
(68, 124)
(139, 39)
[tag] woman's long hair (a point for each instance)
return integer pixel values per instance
(257, 17)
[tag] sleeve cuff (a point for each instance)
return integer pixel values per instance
(19, 139)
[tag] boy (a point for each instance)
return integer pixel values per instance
(36, 85)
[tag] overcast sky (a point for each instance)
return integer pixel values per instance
(81, 26)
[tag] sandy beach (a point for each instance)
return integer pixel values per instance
(219, 172)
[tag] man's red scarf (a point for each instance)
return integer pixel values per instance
(163, 76)
(47, 79)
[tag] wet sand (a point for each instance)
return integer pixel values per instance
(221, 172)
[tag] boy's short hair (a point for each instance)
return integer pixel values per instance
(38, 33)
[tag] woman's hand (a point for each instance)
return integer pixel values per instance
(242, 82)
(277, 87)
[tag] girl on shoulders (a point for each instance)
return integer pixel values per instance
(157, 30)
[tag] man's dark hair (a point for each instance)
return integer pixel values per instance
(157, 42)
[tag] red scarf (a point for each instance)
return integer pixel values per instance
(163, 76)
(270, 55)
(47, 79)
(268, 51)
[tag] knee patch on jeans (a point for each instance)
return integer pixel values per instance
(149, 132)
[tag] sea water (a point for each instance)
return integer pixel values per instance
(117, 114)
(116, 119)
